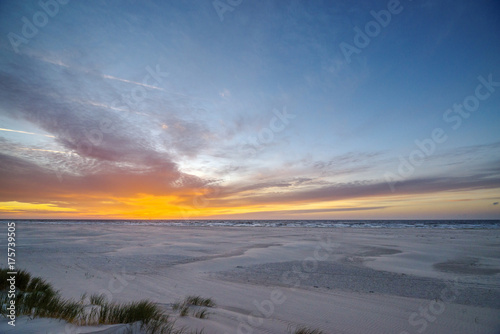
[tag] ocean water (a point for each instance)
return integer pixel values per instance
(422, 224)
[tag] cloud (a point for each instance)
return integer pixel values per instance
(367, 189)
(348, 163)
(115, 148)
(185, 137)
(92, 116)
(112, 151)
(25, 132)
(326, 210)
(24, 181)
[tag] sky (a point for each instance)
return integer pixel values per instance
(238, 109)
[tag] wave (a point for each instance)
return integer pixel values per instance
(422, 224)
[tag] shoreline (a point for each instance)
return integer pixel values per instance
(438, 224)
(368, 280)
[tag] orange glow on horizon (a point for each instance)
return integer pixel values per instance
(197, 206)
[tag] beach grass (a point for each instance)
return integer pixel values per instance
(184, 311)
(96, 299)
(201, 313)
(198, 302)
(304, 330)
(36, 297)
(22, 279)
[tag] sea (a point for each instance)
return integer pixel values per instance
(418, 224)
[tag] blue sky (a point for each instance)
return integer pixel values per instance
(168, 109)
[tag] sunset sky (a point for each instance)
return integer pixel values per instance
(250, 109)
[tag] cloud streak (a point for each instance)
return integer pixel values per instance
(28, 133)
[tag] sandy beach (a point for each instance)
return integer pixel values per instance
(268, 280)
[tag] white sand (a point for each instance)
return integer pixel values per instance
(336, 280)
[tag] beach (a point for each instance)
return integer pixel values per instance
(273, 279)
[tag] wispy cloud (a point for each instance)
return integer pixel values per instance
(42, 150)
(28, 133)
(105, 76)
